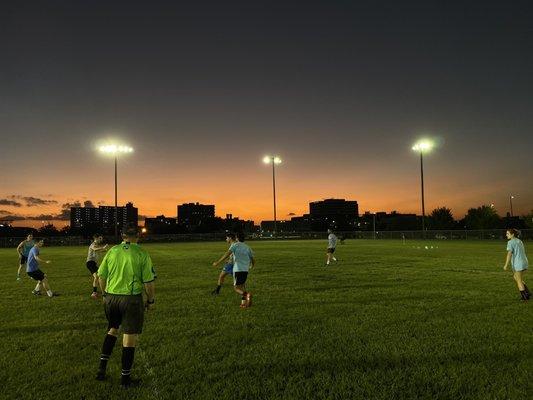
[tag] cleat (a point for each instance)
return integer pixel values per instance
(36, 292)
(248, 299)
(100, 376)
(215, 293)
(243, 305)
(130, 383)
(18, 278)
(94, 295)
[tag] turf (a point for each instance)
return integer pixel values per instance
(388, 321)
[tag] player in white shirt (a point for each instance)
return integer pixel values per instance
(332, 244)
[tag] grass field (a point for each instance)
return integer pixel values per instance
(388, 321)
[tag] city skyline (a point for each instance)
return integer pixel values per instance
(202, 92)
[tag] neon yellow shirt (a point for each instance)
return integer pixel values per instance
(126, 267)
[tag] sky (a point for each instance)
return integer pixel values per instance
(340, 90)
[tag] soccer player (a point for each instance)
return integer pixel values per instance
(243, 260)
(332, 244)
(516, 255)
(93, 256)
(34, 271)
(227, 269)
(125, 272)
(23, 249)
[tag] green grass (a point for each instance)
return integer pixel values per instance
(389, 321)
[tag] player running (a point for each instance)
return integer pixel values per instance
(23, 249)
(93, 258)
(34, 271)
(516, 255)
(332, 244)
(228, 267)
(243, 260)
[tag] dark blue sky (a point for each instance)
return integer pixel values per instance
(340, 89)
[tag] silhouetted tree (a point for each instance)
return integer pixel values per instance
(48, 230)
(441, 218)
(484, 217)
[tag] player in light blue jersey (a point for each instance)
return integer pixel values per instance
(516, 256)
(243, 261)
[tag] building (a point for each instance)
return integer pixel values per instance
(338, 214)
(193, 215)
(161, 225)
(394, 221)
(102, 219)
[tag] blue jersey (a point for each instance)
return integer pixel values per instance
(242, 256)
(32, 264)
(519, 260)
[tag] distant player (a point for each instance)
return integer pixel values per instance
(93, 258)
(227, 269)
(332, 244)
(34, 271)
(23, 249)
(243, 260)
(516, 256)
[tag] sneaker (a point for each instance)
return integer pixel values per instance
(100, 376)
(18, 278)
(36, 292)
(248, 299)
(243, 305)
(130, 383)
(215, 292)
(94, 295)
(54, 294)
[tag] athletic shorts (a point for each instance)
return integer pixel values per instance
(23, 259)
(91, 266)
(126, 312)
(228, 268)
(38, 275)
(239, 278)
(331, 250)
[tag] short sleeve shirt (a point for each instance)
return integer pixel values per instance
(92, 254)
(27, 247)
(242, 257)
(332, 241)
(32, 263)
(126, 268)
(519, 260)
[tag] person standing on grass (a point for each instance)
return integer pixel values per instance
(243, 260)
(332, 244)
(23, 249)
(125, 272)
(227, 269)
(516, 256)
(93, 257)
(33, 269)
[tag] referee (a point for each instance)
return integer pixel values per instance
(123, 274)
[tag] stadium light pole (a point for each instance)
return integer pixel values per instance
(273, 160)
(511, 197)
(421, 147)
(115, 150)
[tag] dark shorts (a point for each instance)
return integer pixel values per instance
(91, 266)
(38, 275)
(23, 259)
(331, 250)
(126, 312)
(239, 278)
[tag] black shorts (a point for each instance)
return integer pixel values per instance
(91, 266)
(38, 275)
(23, 259)
(239, 278)
(126, 312)
(331, 250)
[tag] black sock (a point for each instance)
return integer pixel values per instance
(218, 288)
(128, 354)
(95, 289)
(527, 290)
(107, 349)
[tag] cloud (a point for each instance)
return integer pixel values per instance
(4, 212)
(43, 217)
(12, 218)
(12, 203)
(291, 214)
(36, 201)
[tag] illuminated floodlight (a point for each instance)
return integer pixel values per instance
(272, 159)
(423, 146)
(115, 149)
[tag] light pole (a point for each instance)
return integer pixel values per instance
(511, 197)
(115, 150)
(422, 146)
(273, 160)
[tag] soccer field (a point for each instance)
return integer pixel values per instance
(388, 321)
